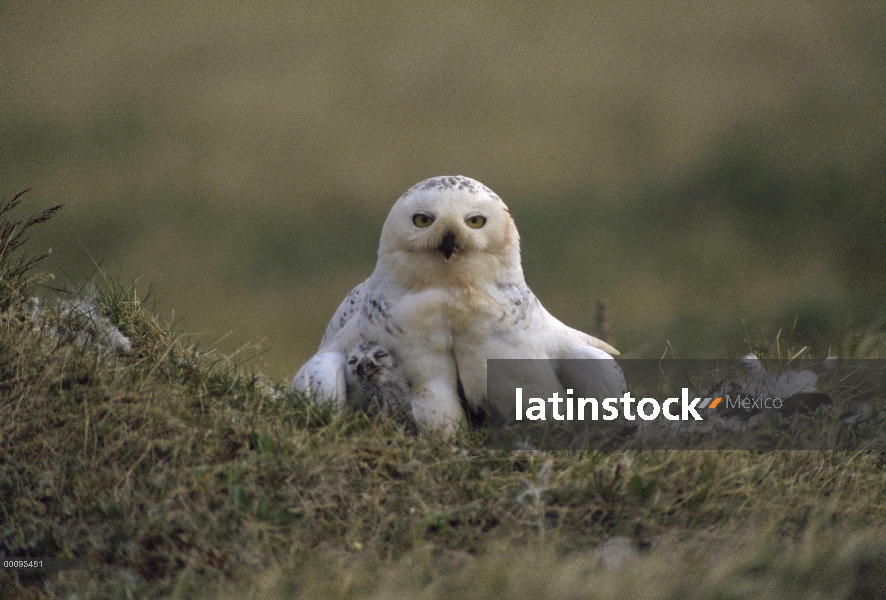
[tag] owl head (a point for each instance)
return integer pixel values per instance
(450, 227)
(369, 362)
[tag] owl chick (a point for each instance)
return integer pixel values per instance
(447, 294)
(375, 384)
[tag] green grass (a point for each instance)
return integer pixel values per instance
(180, 473)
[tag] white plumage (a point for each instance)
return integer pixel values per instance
(447, 294)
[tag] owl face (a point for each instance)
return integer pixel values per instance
(369, 362)
(449, 218)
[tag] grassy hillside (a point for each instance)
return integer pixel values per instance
(181, 474)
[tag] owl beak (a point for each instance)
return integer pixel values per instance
(447, 246)
(366, 369)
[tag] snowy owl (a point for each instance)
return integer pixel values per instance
(448, 293)
(375, 384)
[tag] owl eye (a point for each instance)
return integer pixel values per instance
(422, 220)
(353, 360)
(476, 222)
(380, 354)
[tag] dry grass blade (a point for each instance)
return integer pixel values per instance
(14, 267)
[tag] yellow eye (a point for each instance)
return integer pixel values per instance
(421, 220)
(476, 222)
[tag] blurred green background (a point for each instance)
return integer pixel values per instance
(711, 169)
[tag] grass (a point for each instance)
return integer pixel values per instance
(180, 473)
(16, 268)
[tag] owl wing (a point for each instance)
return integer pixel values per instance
(601, 377)
(573, 338)
(322, 378)
(545, 336)
(349, 307)
(524, 329)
